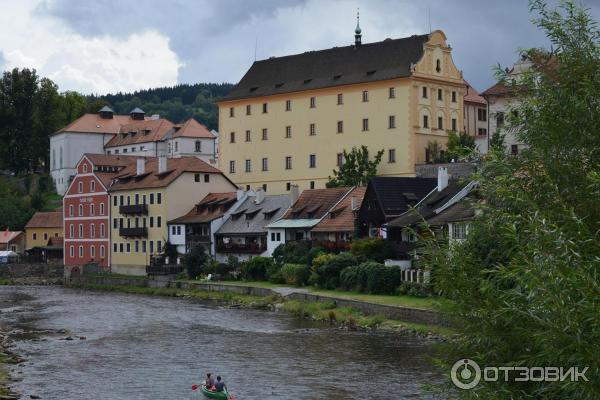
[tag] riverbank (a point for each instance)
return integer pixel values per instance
(324, 311)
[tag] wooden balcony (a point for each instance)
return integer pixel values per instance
(248, 248)
(134, 209)
(133, 232)
(332, 246)
(164, 269)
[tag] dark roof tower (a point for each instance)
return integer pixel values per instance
(357, 31)
(106, 112)
(137, 114)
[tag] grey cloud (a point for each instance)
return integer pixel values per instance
(2, 60)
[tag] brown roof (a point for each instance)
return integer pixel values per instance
(93, 123)
(315, 203)
(9, 236)
(51, 219)
(471, 95)
(211, 207)
(341, 218)
(499, 89)
(192, 128)
(151, 179)
(56, 242)
(141, 131)
(109, 160)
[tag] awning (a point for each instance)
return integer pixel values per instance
(293, 223)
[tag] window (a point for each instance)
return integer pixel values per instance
(143, 246)
(80, 251)
(312, 161)
(391, 122)
(92, 210)
(454, 124)
(265, 134)
(313, 102)
(481, 114)
(71, 210)
(454, 96)
(312, 131)
(179, 230)
(392, 93)
(80, 187)
(288, 162)
(158, 221)
(34, 236)
(151, 222)
(312, 184)
(159, 246)
(45, 235)
(265, 164)
(231, 112)
(143, 199)
(500, 120)
(288, 105)
(158, 198)
(514, 149)
(425, 121)
(151, 198)
(115, 248)
(248, 165)
(71, 231)
(81, 210)
(115, 201)
(248, 109)
(459, 230)
(340, 127)
(136, 246)
(365, 96)
(120, 222)
(72, 251)
(173, 230)
(101, 208)
(121, 248)
(424, 95)
(365, 124)
(264, 108)
(85, 168)
(438, 65)
(198, 147)
(247, 136)
(102, 251)
(102, 230)
(264, 187)
(440, 123)
(151, 247)
(392, 155)
(231, 137)
(117, 151)
(93, 251)
(196, 177)
(340, 99)
(232, 167)
(340, 159)
(206, 178)
(128, 200)
(440, 95)
(482, 132)
(288, 132)
(288, 186)
(128, 247)
(92, 186)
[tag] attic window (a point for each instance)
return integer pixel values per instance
(253, 89)
(371, 72)
(278, 85)
(336, 77)
(307, 81)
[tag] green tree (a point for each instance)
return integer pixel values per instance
(195, 260)
(524, 285)
(357, 169)
(460, 146)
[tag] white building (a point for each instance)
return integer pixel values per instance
(475, 118)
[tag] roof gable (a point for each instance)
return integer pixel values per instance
(396, 194)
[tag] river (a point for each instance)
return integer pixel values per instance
(144, 347)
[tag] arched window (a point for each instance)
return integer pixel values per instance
(81, 210)
(85, 168)
(80, 251)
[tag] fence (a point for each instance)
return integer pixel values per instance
(415, 276)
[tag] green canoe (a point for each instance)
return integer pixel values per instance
(214, 395)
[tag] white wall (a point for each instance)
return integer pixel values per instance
(272, 244)
(149, 150)
(187, 147)
(497, 105)
(177, 238)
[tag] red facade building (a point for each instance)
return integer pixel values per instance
(86, 210)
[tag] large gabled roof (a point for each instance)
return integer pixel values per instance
(316, 203)
(259, 215)
(192, 129)
(94, 123)
(341, 218)
(141, 131)
(388, 59)
(211, 207)
(396, 194)
(472, 96)
(52, 219)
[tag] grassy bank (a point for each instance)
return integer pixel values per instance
(318, 311)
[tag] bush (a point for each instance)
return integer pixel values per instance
(371, 277)
(256, 268)
(295, 274)
(414, 289)
(295, 252)
(195, 261)
(355, 277)
(327, 269)
(375, 249)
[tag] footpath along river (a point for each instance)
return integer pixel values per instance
(143, 347)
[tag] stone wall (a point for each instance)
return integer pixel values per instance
(27, 270)
(455, 170)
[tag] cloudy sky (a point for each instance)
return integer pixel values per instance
(105, 46)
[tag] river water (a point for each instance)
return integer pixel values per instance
(143, 347)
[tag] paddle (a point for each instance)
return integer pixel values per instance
(229, 396)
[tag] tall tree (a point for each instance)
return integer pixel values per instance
(524, 285)
(356, 168)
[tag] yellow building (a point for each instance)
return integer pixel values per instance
(290, 118)
(42, 227)
(149, 194)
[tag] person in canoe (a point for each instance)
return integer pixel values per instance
(210, 382)
(220, 385)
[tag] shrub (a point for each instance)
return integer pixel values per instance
(256, 268)
(295, 274)
(295, 252)
(414, 289)
(355, 277)
(371, 277)
(328, 268)
(375, 249)
(274, 273)
(195, 261)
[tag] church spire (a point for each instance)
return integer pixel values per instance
(357, 31)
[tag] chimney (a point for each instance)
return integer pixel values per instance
(239, 193)
(294, 194)
(162, 164)
(353, 204)
(141, 164)
(442, 178)
(260, 196)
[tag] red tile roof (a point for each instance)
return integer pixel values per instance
(142, 131)
(9, 236)
(40, 219)
(109, 160)
(498, 89)
(471, 95)
(315, 203)
(93, 123)
(211, 207)
(341, 218)
(151, 179)
(192, 128)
